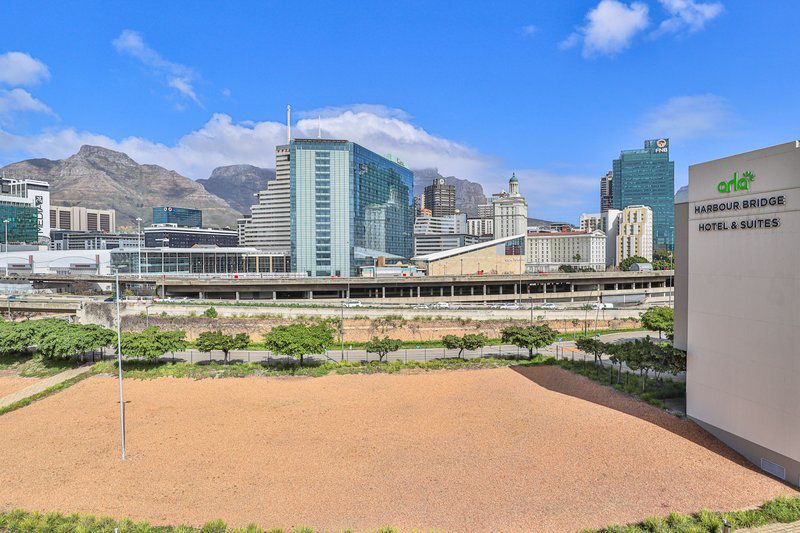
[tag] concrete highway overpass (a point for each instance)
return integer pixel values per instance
(556, 287)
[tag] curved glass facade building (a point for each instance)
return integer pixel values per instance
(349, 206)
(647, 177)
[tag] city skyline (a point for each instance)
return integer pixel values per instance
(192, 106)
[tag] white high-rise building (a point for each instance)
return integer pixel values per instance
(609, 224)
(635, 236)
(482, 227)
(510, 211)
(268, 227)
(591, 221)
(547, 251)
(77, 218)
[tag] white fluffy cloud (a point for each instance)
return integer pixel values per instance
(18, 68)
(689, 117)
(688, 15)
(610, 27)
(179, 77)
(221, 141)
(19, 100)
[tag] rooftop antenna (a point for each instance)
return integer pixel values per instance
(288, 124)
(319, 126)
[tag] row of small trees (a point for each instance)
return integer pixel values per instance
(641, 355)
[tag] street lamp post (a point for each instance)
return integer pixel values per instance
(165, 242)
(139, 241)
(119, 366)
(530, 299)
(5, 222)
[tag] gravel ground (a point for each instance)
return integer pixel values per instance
(486, 450)
(9, 384)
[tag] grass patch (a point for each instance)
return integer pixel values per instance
(144, 370)
(652, 391)
(43, 394)
(780, 510)
(31, 366)
(19, 520)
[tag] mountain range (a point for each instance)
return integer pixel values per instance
(238, 184)
(101, 178)
(97, 177)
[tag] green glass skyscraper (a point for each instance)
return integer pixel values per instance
(349, 206)
(647, 177)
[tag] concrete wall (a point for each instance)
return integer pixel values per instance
(743, 309)
(363, 329)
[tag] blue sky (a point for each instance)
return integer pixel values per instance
(550, 90)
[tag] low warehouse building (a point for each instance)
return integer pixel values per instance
(505, 256)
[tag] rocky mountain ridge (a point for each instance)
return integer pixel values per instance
(238, 184)
(97, 177)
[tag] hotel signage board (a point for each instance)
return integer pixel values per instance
(735, 214)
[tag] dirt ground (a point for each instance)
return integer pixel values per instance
(485, 450)
(10, 383)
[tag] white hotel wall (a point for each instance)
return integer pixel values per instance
(743, 312)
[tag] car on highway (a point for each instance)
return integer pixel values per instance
(352, 303)
(421, 306)
(601, 305)
(510, 307)
(441, 305)
(548, 305)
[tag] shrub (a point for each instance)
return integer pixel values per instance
(215, 526)
(210, 313)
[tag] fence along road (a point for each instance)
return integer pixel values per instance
(410, 354)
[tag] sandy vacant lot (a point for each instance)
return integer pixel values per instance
(9, 384)
(486, 450)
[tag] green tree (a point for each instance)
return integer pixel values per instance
(211, 312)
(382, 346)
(661, 319)
(61, 342)
(663, 260)
(470, 341)
(299, 340)
(152, 343)
(530, 337)
(216, 340)
(592, 346)
(566, 268)
(626, 263)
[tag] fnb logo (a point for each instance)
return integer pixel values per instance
(737, 183)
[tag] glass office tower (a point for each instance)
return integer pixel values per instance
(647, 177)
(23, 223)
(349, 206)
(182, 216)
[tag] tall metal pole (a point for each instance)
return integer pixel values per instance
(139, 241)
(119, 366)
(341, 331)
(6, 224)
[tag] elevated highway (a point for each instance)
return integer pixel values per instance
(556, 287)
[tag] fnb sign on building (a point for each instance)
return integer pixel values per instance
(737, 303)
